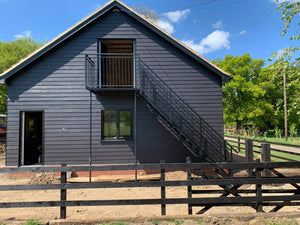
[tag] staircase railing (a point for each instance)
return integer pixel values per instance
(203, 139)
(127, 70)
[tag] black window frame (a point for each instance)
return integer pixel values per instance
(118, 137)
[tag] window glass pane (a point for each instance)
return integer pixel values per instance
(110, 124)
(125, 124)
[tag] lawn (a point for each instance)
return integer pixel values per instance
(270, 138)
(273, 152)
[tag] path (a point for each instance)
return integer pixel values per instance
(273, 146)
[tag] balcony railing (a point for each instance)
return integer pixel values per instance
(111, 71)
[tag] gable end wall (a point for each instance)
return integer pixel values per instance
(55, 83)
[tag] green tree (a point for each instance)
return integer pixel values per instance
(11, 53)
(292, 72)
(244, 97)
(287, 63)
(289, 10)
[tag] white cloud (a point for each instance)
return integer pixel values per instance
(168, 19)
(176, 16)
(218, 24)
(24, 34)
(165, 25)
(215, 41)
(197, 47)
(242, 32)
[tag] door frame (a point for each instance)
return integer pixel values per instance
(99, 55)
(22, 135)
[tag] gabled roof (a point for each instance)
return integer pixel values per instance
(92, 17)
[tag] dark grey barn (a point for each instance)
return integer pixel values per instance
(112, 89)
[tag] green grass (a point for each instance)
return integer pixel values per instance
(11, 178)
(177, 221)
(155, 222)
(296, 140)
(273, 152)
(200, 221)
(284, 222)
(32, 222)
(115, 223)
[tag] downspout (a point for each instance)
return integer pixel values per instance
(90, 150)
(135, 134)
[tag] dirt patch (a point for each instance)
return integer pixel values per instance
(231, 215)
(44, 178)
(101, 213)
(176, 175)
(242, 219)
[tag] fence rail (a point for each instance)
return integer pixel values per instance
(240, 145)
(270, 142)
(232, 185)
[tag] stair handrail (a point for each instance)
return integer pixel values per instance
(145, 70)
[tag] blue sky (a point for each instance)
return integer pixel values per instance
(214, 28)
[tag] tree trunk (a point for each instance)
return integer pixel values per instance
(238, 124)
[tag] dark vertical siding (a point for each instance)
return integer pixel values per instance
(55, 84)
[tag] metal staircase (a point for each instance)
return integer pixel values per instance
(127, 72)
(199, 137)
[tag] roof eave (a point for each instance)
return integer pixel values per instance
(56, 41)
(95, 15)
(224, 75)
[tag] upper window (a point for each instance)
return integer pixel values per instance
(116, 62)
(116, 124)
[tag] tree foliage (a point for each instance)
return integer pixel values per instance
(255, 94)
(148, 13)
(292, 72)
(244, 96)
(11, 53)
(289, 10)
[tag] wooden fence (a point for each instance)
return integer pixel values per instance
(257, 198)
(240, 144)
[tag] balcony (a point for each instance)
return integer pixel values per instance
(111, 72)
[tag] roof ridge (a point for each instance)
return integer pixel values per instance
(174, 38)
(90, 16)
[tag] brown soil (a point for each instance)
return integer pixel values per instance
(140, 214)
(100, 213)
(44, 178)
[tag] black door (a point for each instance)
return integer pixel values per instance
(32, 138)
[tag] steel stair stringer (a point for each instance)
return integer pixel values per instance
(202, 140)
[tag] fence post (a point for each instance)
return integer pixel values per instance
(258, 189)
(63, 193)
(239, 144)
(162, 189)
(266, 157)
(189, 188)
(249, 153)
